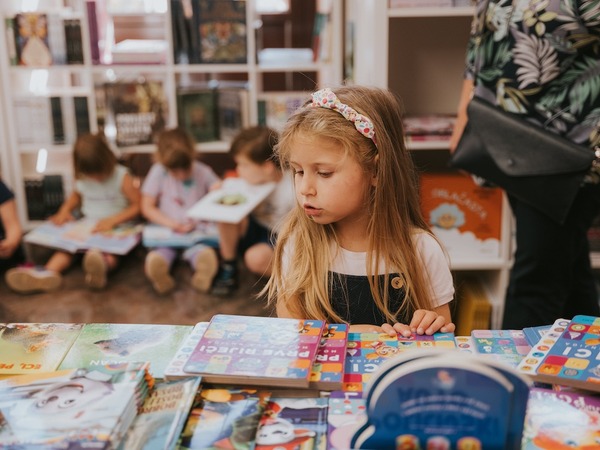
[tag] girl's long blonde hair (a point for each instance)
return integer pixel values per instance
(302, 286)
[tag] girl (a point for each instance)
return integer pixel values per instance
(355, 248)
(104, 192)
(175, 183)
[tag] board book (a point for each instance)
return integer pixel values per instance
(159, 236)
(567, 354)
(435, 398)
(109, 343)
(260, 351)
(74, 408)
(534, 334)
(233, 201)
(507, 346)
(77, 236)
(367, 351)
(328, 368)
(35, 347)
(174, 369)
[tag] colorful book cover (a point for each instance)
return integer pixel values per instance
(366, 351)
(35, 347)
(220, 26)
(31, 35)
(507, 346)
(534, 334)
(432, 399)
(328, 368)
(232, 111)
(567, 354)
(137, 110)
(254, 350)
(77, 236)
(76, 408)
(464, 216)
(224, 418)
(197, 113)
(232, 202)
(561, 420)
(465, 344)
(174, 369)
(109, 343)
(159, 236)
(293, 423)
(346, 413)
(161, 418)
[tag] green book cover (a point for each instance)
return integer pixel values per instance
(108, 343)
(35, 347)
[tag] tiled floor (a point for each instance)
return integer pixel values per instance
(129, 298)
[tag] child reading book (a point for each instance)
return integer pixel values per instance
(175, 182)
(104, 191)
(355, 248)
(253, 238)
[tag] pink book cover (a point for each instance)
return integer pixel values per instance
(255, 350)
(328, 369)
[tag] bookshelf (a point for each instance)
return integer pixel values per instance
(420, 54)
(127, 64)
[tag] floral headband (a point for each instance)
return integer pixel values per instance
(325, 98)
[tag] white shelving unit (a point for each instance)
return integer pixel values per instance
(419, 54)
(20, 161)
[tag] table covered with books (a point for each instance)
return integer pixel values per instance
(242, 382)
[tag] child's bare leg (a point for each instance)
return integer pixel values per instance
(59, 262)
(258, 259)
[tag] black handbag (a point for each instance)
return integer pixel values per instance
(537, 166)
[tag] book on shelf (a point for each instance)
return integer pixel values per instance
(507, 346)
(420, 3)
(219, 32)
(197, 112)
(31, 37)
(112, 343)
(11, 43)
(322, 34)
(224, 417)
(252, 350)
(429, 125)
(44, 196)
(232, 110)
(231, 202)
(137, 110)
(281, 56)
(75, 408)
(160, 236)
(431, 397)
(77, 236)
(327, 371)
(464, 216)
(561, 419)
(367, 351)
(74, 41)
(474, 309)
(567, 354)
(293, 423)
(275, 108)
(181, 25)
(162, 417)
(35, 347)
(174, 369)
(140, 51)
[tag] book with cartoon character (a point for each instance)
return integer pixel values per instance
(162, 416)
(73, 408)
(224, 418)
(434, 398)
(365, 352)
(345, 415)
(568, 354)
(232, 201)
(105, 343)
(464, 216)
(35, 347)
(252, 350)
(561, 420)
(291, 423)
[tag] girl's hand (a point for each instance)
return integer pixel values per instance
(183, 227)
(104, 225)
(7, 248)
(423, 322)
(366, 329)
(60, 218)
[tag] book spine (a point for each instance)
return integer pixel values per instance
(52, 191)
(72, 29)
(58, 129)
(82, 115)
(92, 21)
(181, 33)
(9, 24)
(57, 40)
(68, 110)
(194, 52)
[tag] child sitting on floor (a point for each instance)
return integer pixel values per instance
(105, 192)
